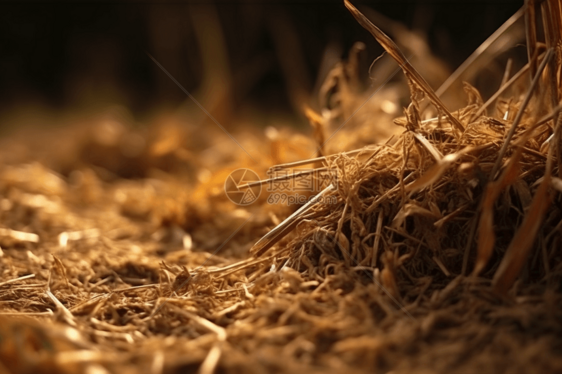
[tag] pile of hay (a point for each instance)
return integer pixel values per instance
(439, 255)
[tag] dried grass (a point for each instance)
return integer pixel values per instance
(441, 254)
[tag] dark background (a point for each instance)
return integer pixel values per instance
(69, 55)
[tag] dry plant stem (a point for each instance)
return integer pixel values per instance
(436, 171)
(318, 125)
(89, 302)
(20, 235)
(554, 114)
(502, 89)
(520, 113)
(136, 287)
(507, 72)
(552, 19)
(552, 24)
(469, 241)
(66, 314)
(236, 265)
(48, 313)
(408, 69)
(486, 233)
(389, 192)
(441, 266)
(210, 363)
(377, 239)
(482, 48)
(542, 121)
(531, 34)
(244, 265)
(519, 248)
(430, 148)
(557, 139)
(286, 226)
(341, 238)
(318, 159)
(17, 279)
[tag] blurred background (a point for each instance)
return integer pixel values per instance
(230, 54)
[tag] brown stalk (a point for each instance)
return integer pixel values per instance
(501, 90)
(410, 72)
(479, 51)
(507, 72)
(521, 111)
(518, 250)
(281, 230)
(486, 234)
(531, 33)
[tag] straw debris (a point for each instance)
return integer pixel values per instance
(438, 253)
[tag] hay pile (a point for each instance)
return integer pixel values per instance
(440, 254)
